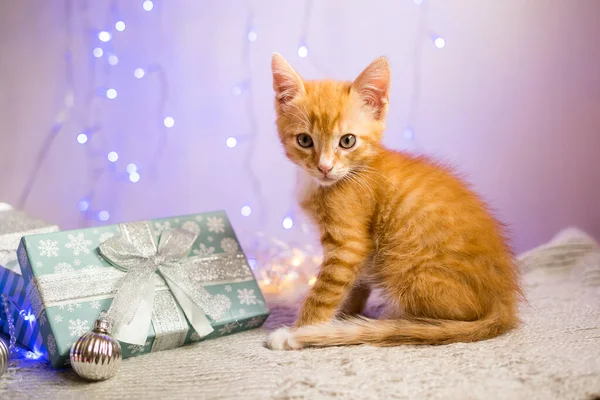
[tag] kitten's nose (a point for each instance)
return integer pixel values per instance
(325, 168)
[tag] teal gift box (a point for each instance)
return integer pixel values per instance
(15, 224)
(71, 280)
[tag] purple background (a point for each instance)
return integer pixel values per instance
(513, 100)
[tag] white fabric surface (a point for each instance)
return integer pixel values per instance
(555, 354)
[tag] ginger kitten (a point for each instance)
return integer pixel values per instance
(388, 220)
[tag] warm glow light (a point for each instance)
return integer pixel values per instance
(111, 94)
(292, 276)
(120, 26)
(98, 52)
(113, 156)
(139, 73)
(312, 281)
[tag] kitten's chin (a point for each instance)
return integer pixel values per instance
(322, 181)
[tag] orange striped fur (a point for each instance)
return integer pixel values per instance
(406, 225)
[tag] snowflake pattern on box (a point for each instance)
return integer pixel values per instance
(93, 266)
(229, 245)
(138, 348)
(191, 226)
(246, 296)
(215, 224)
(105, 236)
(63, 268)
(78, 243)
(203, 250)
(51, 344)
(78, 327)
(68, 307)
(254, 322)
(67, 322)
(228, 328)
(43, 319)
(48, 248)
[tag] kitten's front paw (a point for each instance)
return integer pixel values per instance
(283, 339)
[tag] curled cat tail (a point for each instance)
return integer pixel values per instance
(359, 330)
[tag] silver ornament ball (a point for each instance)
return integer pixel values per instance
(96, 355)
(4, 353)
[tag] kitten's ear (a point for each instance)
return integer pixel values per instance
(373, 86)
(286, 82)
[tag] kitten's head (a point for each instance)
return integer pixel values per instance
(331, 128)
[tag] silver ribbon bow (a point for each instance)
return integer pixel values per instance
(135, 252)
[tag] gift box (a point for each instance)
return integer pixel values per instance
(173, 281)
(15, 224)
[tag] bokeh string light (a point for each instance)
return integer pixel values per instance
(106, 161)
(245, 88)
(103, 160)
(98, 90)
(303, 48)
(8, 307)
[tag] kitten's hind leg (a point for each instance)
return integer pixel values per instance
(356, 300)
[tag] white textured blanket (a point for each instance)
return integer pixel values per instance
(555, 354)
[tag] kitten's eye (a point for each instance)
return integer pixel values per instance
(304, 140)
(347, 141)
